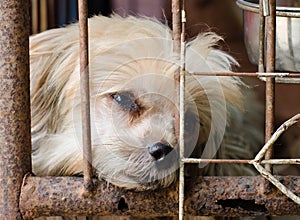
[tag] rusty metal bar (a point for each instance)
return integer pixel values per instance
(60, 196)
(222, 196)
(176, 25)
(85, 94)
(218, 196)
(281, 161)
(248, 74)
(177, 49)
(233, 161)
(270, 82)
(287, 78)
(261, 61)
(176, 18)
(15, 138)
(228, 161)
(182, 110)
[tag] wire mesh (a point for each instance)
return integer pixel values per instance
(267, 29)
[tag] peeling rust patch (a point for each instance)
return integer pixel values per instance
(248, 205)
(122, 205)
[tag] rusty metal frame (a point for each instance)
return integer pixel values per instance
(26, 197)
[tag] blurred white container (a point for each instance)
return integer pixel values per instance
(287, 32)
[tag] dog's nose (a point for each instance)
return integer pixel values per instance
(159, 151)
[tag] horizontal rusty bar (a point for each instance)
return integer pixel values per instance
(61, 196)
(248, 74)
(281, 161)
(240, 196)
(233, 161)
(218, 196)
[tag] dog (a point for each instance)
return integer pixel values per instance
(134, 103)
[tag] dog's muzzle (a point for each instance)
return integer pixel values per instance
(164, 155)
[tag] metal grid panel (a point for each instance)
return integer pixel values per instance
(267, 28)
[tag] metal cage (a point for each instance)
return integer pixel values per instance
(24, 196)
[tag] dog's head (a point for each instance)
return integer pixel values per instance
(135, 105)
(133, 102)
(136, 143)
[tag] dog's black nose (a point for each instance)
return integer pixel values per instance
(159, 151)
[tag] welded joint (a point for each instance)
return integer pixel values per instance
(265, 173)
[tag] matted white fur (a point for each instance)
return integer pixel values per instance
(135, 56)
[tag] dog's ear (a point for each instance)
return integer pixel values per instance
(202, 56)
(217, 98)
(53, 59)
(204, 47)
(53, 41)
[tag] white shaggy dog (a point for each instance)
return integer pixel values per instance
(132, 104)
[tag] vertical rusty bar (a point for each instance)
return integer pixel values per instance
(176, 49)
(85, 94)
(261, 62)
(176, 25)
(270, 82)
(182, 111)
(15, 140)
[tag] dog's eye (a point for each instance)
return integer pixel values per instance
(126, 100)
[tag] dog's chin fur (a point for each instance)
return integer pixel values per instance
(135, 55)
